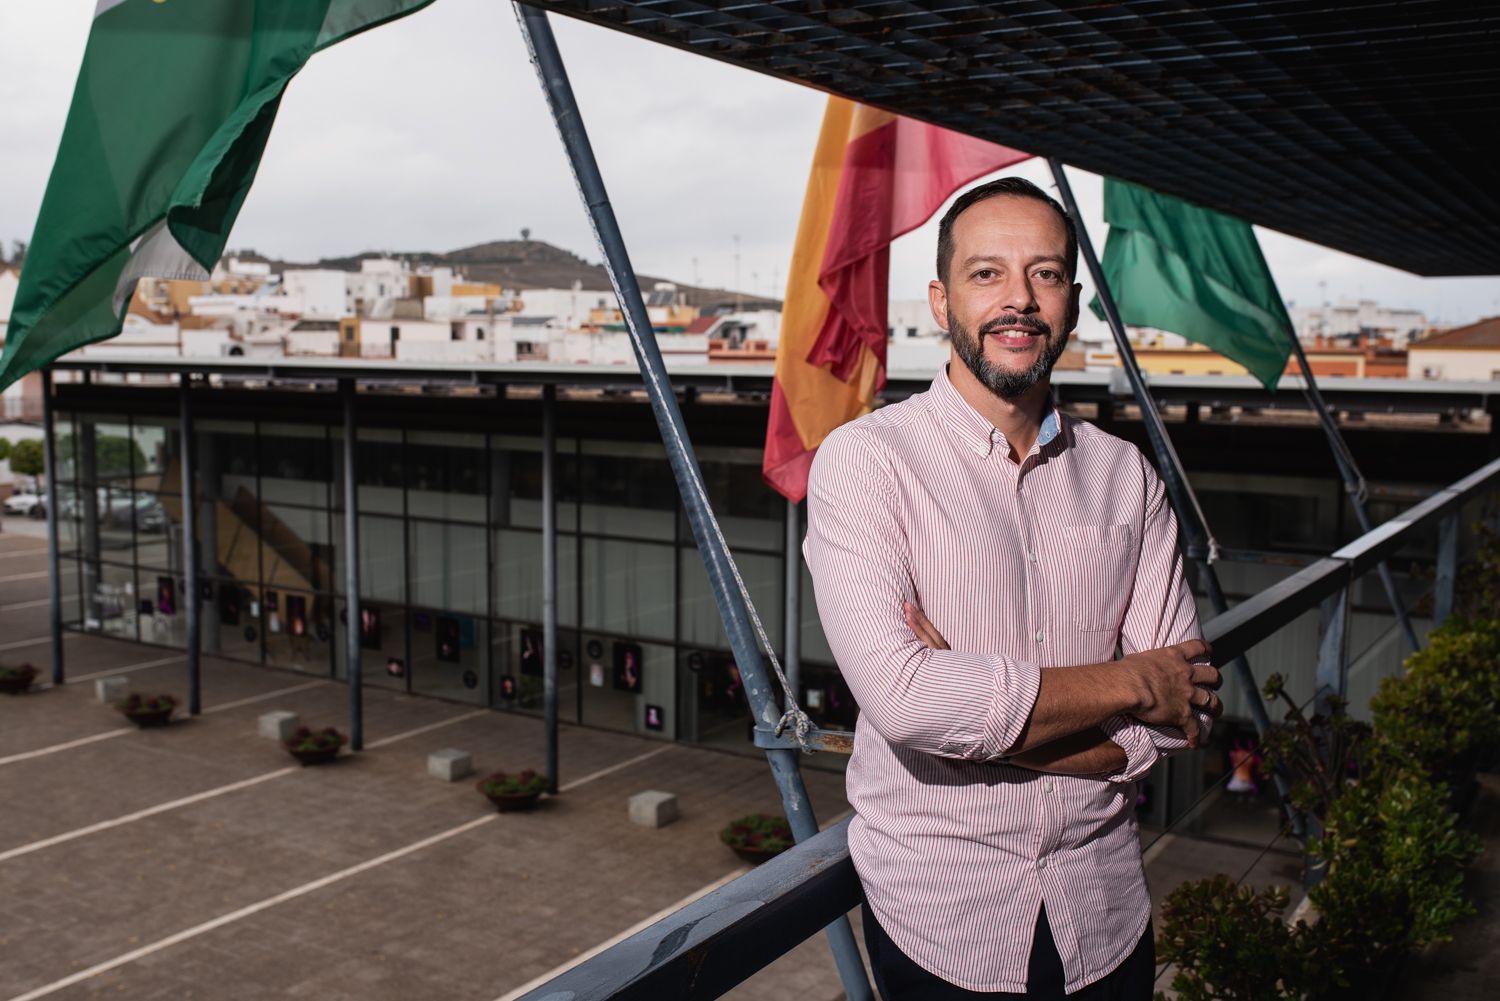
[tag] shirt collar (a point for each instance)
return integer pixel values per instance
(973, 430)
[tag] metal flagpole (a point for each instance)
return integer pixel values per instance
(1354, 481)
(54, 585)
(723, 576)
(549, 580)
(1189, 514)
(190, 542)
(793, 556)
(351, 575)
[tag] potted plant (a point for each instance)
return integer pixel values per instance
(314, 747)
(144, 711)
(16, 680)
(513, 792)
(758, 837)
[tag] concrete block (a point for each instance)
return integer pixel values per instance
(450, 764)
(112, 691)
(653, 808)
(279, 725)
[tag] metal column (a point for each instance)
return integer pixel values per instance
(351, 574)
(793, 617)
(723, 576)
(191, 598)
(54, 578)
(549, 580)
(1179, 490)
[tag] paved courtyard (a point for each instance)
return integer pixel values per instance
(198, 861)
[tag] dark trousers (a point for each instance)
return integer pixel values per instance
(897, 978)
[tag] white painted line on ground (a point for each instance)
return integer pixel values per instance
(264, 696)
(245, 912)
(32, 551)
(34, 641)
(423, 729)
(644, 923)
(33, 575)
(150, 811)
(81, 741)
(80, 679)
(614, 768)
(18, 605)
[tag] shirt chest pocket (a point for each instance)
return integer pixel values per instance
(1088, 572)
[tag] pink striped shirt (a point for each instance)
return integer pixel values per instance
(1020, 567)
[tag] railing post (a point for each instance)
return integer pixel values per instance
(192, 599)
(354, 667)
(1447, 568)
(1333, 647)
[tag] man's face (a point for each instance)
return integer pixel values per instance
(1009, 302)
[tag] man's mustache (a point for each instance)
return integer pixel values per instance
(1014, 320)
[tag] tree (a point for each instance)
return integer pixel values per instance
(18, 252)
(27, 458)
(4, 449)
(525, 233)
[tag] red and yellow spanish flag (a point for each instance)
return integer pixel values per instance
(875, 176)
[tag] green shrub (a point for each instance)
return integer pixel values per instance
(526, 783)
(306, 739)
(1230, 943)
(762, 831)
(27, 458)
(1394, 860)
(1440, 718)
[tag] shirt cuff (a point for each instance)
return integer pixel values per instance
(1133, 737)
(1017, 683)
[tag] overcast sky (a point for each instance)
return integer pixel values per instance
(431, 134)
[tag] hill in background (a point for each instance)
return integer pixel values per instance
(522, 264)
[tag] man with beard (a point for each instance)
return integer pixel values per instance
(995, 832)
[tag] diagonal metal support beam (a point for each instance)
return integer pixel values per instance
(724, 578)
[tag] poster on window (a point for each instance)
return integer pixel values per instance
(448, 647)
(229, 605)
(628, 667)
(166, 595)
(369, 628)
(531, 652)
(296, 615)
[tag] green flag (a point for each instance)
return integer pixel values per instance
(1198, 273)
(170, 116)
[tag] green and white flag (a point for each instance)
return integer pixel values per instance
(174, 102)
(1199, 273)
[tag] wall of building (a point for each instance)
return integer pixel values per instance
(1481, 364)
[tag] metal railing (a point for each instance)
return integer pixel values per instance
(718, 941)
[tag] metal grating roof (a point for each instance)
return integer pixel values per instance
(1370, 127)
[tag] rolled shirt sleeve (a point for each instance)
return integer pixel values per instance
(942, 702)
(1161, 613)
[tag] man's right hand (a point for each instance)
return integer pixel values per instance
(1174, 684)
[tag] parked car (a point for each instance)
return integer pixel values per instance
(28, 504)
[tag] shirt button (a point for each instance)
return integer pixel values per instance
(1031, 557)
(1039, 635)
(1041, 863)
(1047, 786)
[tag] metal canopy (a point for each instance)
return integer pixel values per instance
(1360, 125)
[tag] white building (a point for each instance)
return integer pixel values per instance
(1471, 352)
(569, 307)
(1364, 316)
(318, 293)
(377, 285)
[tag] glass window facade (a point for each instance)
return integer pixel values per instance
(450, 563)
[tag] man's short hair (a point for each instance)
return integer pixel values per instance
(1017, 186)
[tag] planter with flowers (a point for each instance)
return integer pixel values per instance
(145, 711)
(758, 837)
(513, 791)
(16, 680)
(314, 747)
